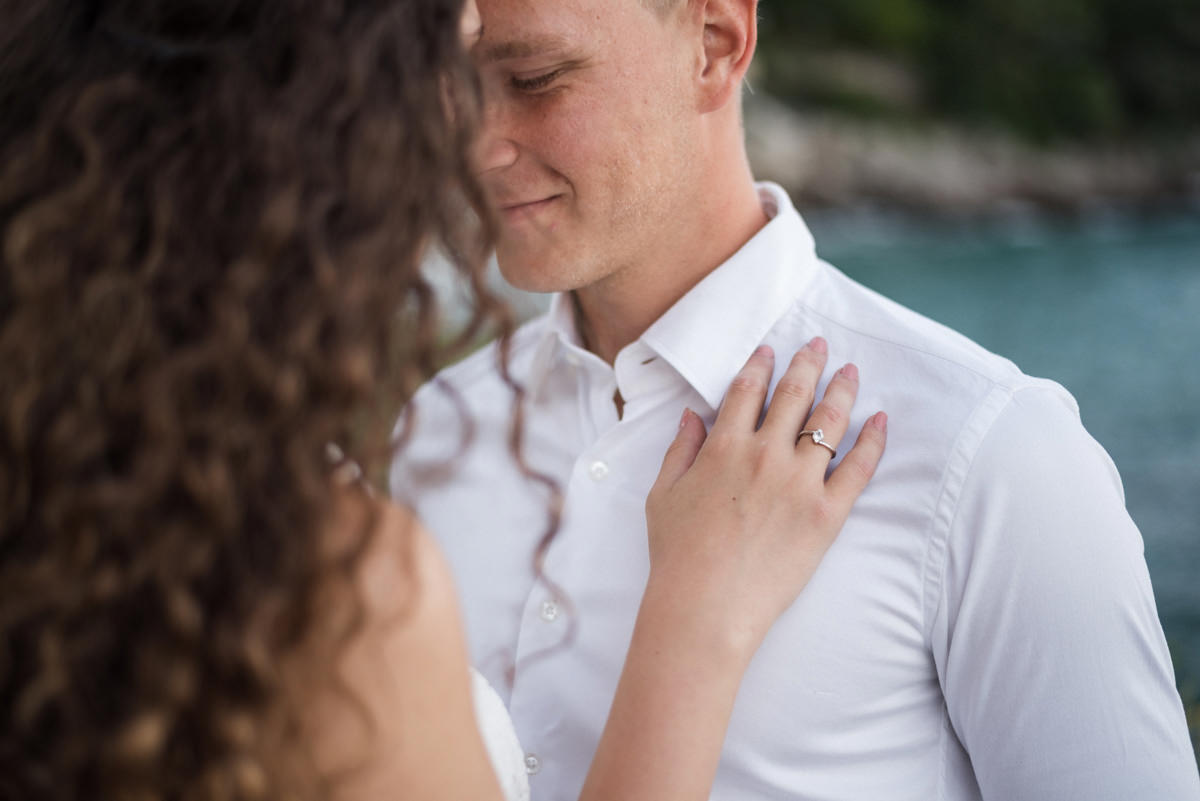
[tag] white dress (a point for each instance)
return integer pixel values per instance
(500, 737)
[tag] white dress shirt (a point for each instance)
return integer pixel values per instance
(983, 627)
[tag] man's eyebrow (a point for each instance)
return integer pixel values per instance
(525, 47)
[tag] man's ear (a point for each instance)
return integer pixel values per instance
(730, 36)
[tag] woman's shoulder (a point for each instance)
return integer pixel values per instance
(406, 664)
(403, 579)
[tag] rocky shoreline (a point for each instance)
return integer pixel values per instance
(826, 160)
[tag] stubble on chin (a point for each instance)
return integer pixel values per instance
(545, 273)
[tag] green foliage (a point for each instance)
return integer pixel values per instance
(1191, 709)
(890, 25)
(1048, 69)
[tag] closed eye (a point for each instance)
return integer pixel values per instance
(535, 83)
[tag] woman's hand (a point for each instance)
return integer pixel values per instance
(739, 518)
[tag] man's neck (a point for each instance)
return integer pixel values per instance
(616, 311)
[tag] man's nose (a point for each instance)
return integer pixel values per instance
(496, 147)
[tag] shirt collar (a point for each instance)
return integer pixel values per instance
(711, 331)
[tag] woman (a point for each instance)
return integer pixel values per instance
(210, 213)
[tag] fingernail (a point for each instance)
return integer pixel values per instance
(764, 350)
(684, 419)
(850, 372)
(880, 421)
(818, 345)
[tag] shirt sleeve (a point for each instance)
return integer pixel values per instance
(1046, 638)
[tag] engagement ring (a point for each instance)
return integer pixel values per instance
(818, 438)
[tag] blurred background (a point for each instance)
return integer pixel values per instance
(1028, 173)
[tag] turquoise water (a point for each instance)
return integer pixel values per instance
(1110, 308)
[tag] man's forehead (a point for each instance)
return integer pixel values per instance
(516, 29)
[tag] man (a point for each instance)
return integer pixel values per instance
(984, 626)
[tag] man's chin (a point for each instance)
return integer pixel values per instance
(529, 281)
(531, 271)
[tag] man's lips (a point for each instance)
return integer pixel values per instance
(521, 207)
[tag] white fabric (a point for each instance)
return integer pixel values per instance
(984, 626)
(503, 747)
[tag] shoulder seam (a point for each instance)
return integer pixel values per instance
(958, 467)
(993, 379)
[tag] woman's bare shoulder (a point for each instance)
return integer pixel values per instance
(403, 571)
(409, 666)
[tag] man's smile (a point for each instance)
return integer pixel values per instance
(517, 210)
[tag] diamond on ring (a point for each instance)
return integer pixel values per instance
(818, 438)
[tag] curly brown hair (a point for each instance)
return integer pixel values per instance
(212, 215)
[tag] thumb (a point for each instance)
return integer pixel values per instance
(683, 450)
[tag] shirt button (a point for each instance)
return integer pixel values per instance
(598, 471)
(532, 764)
(549, 611)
